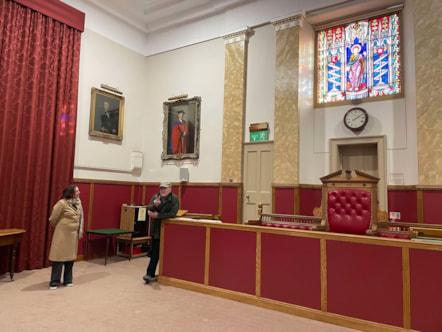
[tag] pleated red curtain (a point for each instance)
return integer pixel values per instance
(39, 67)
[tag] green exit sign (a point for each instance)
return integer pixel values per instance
(256, 136)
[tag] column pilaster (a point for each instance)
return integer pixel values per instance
(428, 97)
(234, 104)
(286, 132)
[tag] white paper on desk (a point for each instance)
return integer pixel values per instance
(142, 214)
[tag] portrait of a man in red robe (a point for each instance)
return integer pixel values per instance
(181, 128)
(180, 135)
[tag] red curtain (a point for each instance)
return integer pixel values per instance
(39, 66)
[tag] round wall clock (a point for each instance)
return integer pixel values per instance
(356, 118)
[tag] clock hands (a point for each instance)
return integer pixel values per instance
(358, 116)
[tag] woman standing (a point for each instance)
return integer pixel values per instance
(67, 219)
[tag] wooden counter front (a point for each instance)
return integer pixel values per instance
(362, 282)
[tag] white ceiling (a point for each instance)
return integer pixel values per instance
(154, 15)
(149, 16)
(154, 26)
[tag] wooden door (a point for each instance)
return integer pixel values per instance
(363, 157)
(258, 176)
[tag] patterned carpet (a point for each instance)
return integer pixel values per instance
(115, 298)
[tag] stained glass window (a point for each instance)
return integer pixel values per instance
(359, 60)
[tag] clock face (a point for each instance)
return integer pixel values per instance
(355, 119)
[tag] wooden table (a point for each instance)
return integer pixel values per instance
(109, 233)
(11, 237)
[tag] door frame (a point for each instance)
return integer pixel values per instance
(244, 191)
(381, 147)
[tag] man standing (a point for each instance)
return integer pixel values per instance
(163, 205)
(180, 135)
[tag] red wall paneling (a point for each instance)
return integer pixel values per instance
(229, 210)
(106, 211)
(284, 200)
(308, 200)
(107, 203)
(200, 199)
(233, 260)
(365, 281)
(184, 252)
(432, 207)
(299, 282)
(138, 195)
(404, 202)
(426, 290)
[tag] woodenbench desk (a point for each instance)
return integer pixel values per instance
(11, 237)
(109, 233)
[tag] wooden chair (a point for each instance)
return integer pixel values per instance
(349, 203)
(141, 235)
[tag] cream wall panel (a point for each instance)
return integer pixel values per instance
(260, 101)
(428, 30)
(147, 83)
(286, 151)
(234, 108)
(104, 61)
(197, 71)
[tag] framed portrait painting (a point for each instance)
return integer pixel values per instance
(181, 129)
(106, 115)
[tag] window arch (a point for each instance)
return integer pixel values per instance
(359, 60)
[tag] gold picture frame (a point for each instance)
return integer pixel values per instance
(106, 115)
(181, 129)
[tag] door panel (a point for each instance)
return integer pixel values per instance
(363, 157)
(258, 176)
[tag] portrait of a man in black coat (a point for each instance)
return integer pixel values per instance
(109, 120)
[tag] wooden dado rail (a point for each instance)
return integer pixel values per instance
(362, 282)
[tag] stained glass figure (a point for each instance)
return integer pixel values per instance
(359, 60)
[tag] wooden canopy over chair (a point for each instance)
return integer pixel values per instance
(349, 202)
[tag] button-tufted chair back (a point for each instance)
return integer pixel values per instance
(349, 202)
(349, 211)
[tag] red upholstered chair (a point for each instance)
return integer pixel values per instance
(349, 211)
(349, 202)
